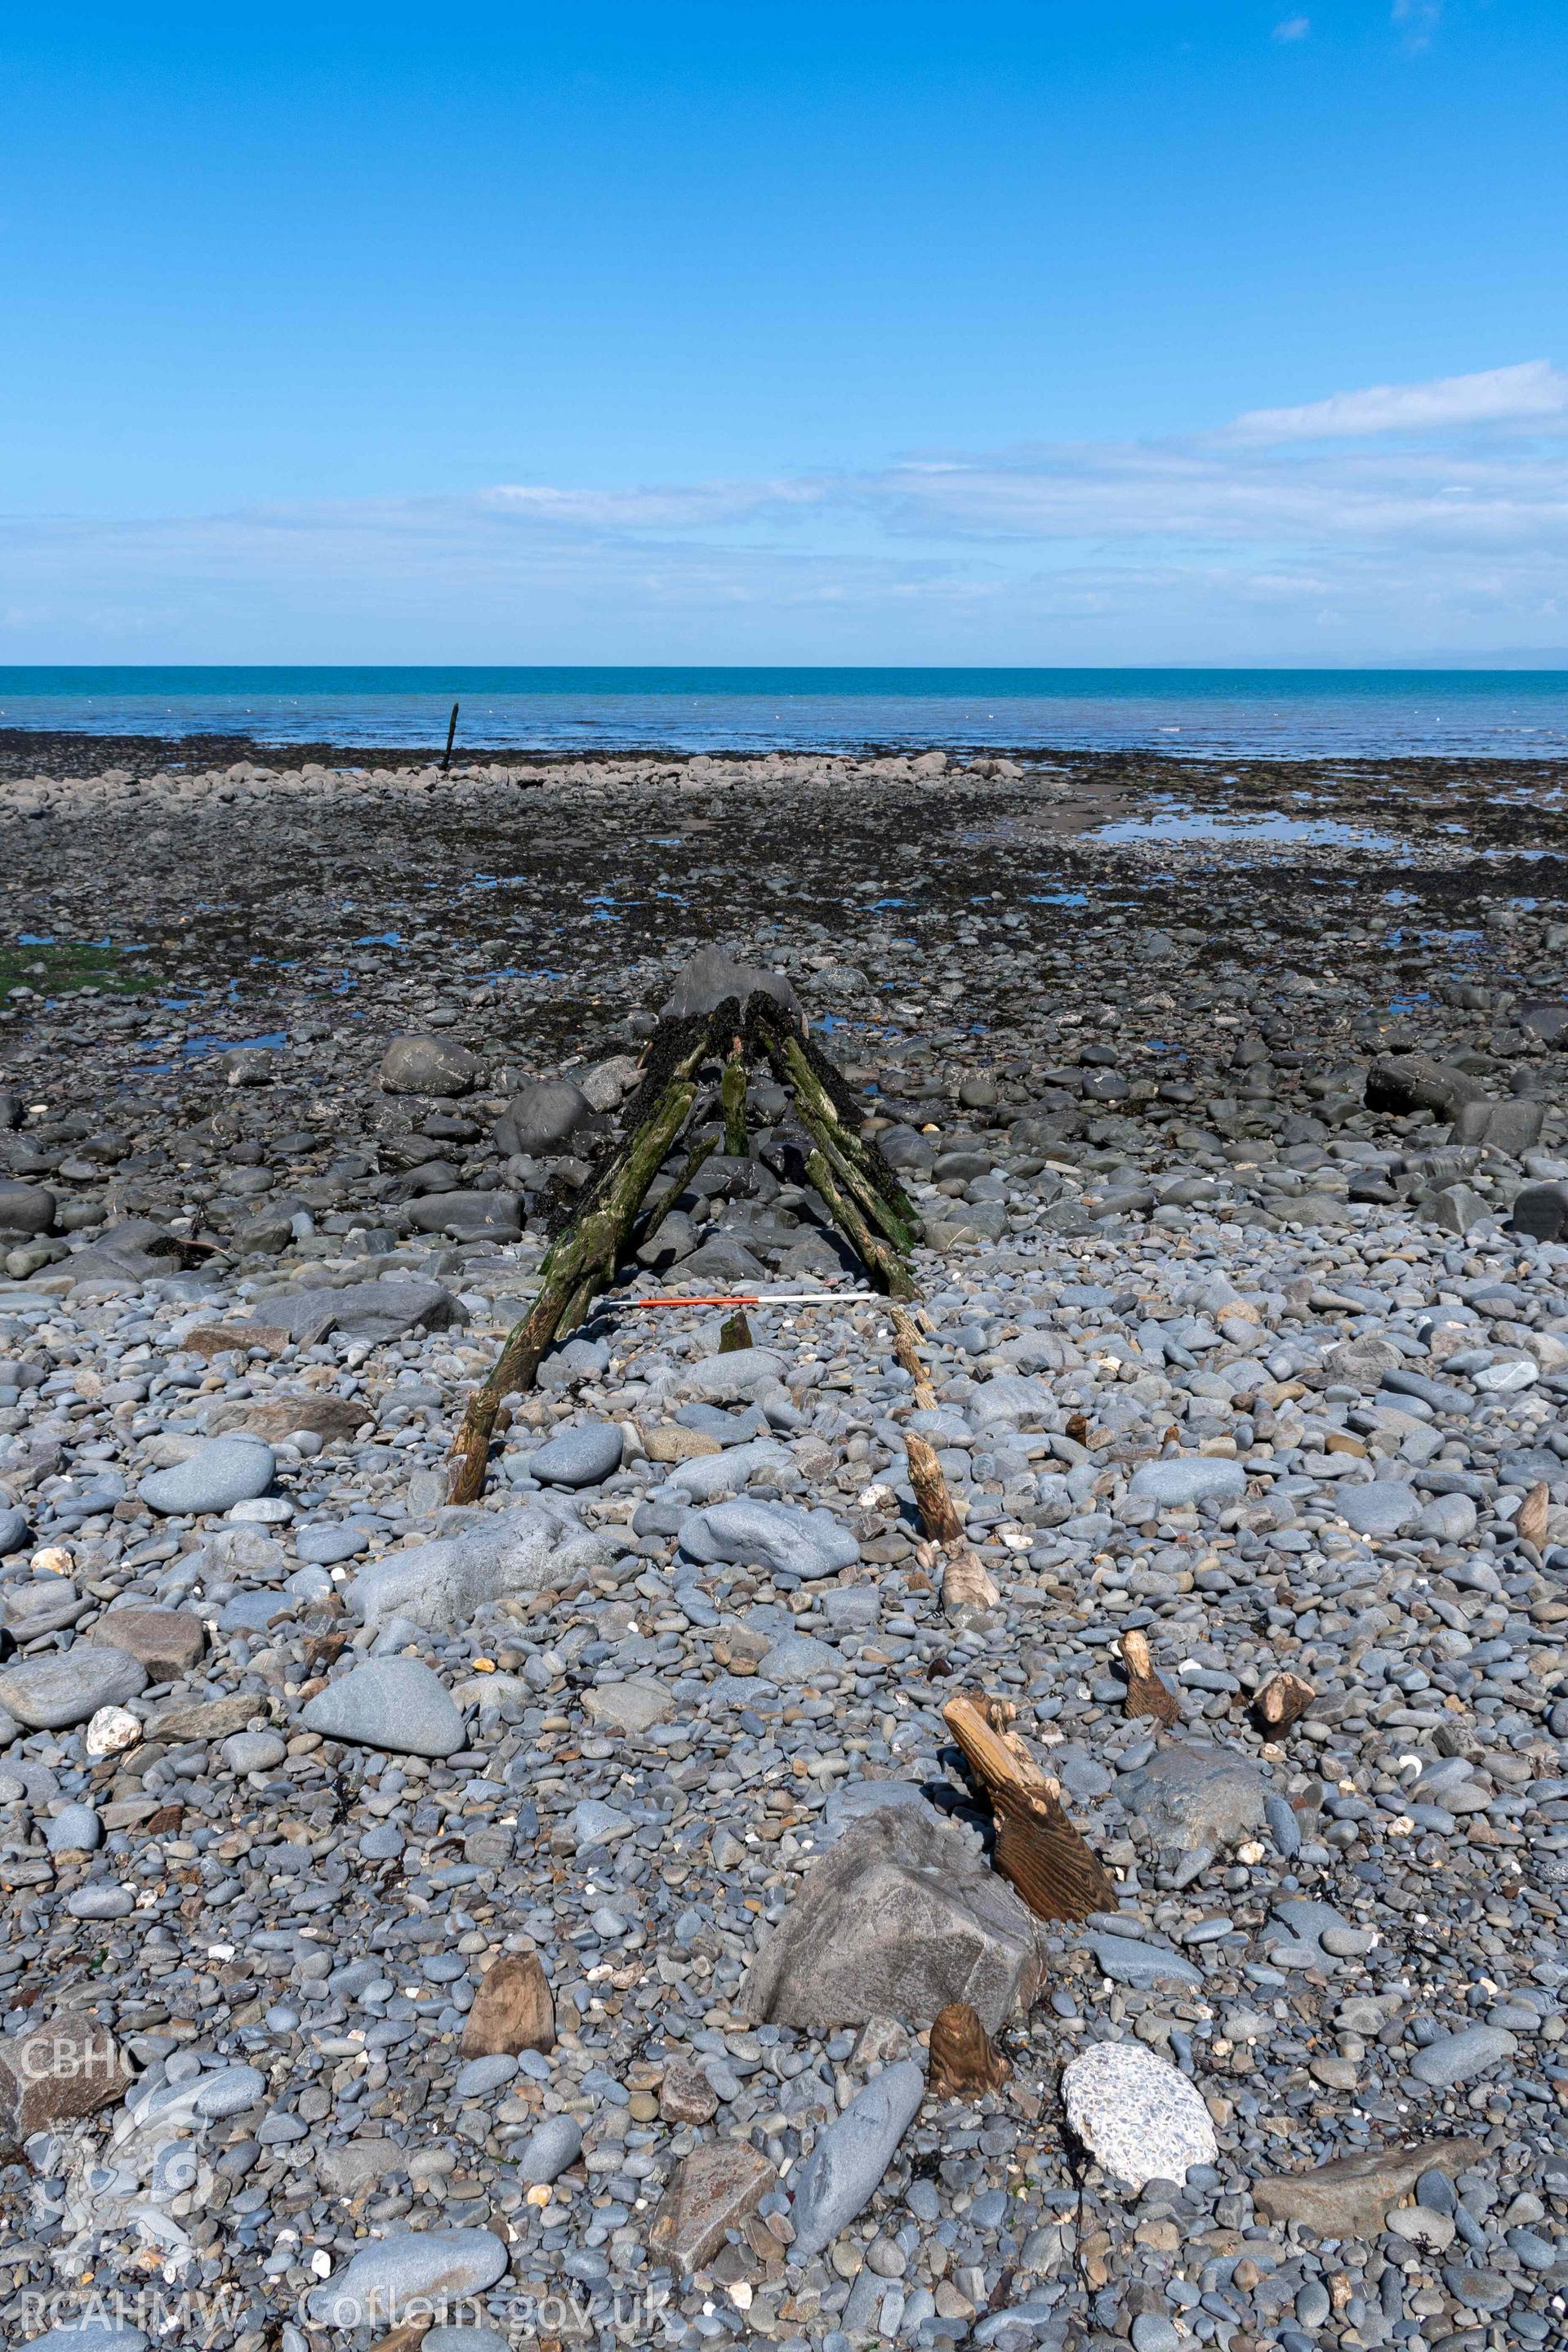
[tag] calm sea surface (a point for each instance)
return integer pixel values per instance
(1507, 714)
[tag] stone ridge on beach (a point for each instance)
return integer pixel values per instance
(1238, 1341)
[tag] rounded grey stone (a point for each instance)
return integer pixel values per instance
(1380, 1509)
(1153, 2332)
(595, 1824)
(429, 1066)
(1191, 1478)
(1284, 1825)
(1455, 2058)
(324, 1546)
(482, 2074)
(252, 1751)
(52, 1692)
(541, 1118)
(549, 2149)
(26, 1209)
(716, 973)
(75, 1829)
(840, 2176)
(395, 1704)
(1313, 2304)
(98, 1900)
(581, 1456)
(800, 1658)
(774, 1535)
(416, 2266)
(89, 2334)
(228, 2091)
(219, 1474)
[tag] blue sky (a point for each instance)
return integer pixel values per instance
(1193, 331)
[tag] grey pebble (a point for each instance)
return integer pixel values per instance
(1457, 2058)
(847, 2164)
(395, 1704)
(549, 2149)
(216, 1475)
(581, 1456)
(74, 1827)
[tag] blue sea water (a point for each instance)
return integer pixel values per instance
(1498, 714)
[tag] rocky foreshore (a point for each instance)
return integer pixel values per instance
(524, 1919)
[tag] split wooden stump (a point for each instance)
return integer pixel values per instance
(512, 2010)
(1283, 1700)
(1146, 1694)
(963, 2064)
(1037, 1846)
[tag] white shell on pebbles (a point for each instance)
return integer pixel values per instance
(1138, 2116)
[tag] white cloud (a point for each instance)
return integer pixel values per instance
(1497, 395)
(1394, 519)
(1293, 28)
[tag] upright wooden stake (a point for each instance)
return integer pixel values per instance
(581, 1264)
(649, 1224)
(933, 1497)
(907, 1348)
(884, 1264)
(1146, 1694)
(733, 1094)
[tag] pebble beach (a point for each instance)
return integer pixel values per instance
(525, 1921)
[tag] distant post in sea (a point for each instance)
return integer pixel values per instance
(451, 731)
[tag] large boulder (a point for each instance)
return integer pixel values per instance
(772, 1535)
(717, 973)
(1402, 1082)
(472, 1217)
(385, 1309)
(1541, 1212)
(26, 1209)
(897, 1918)
(542, 1119)
(443, 1585)
(1194, 1797)
(429, 1066)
